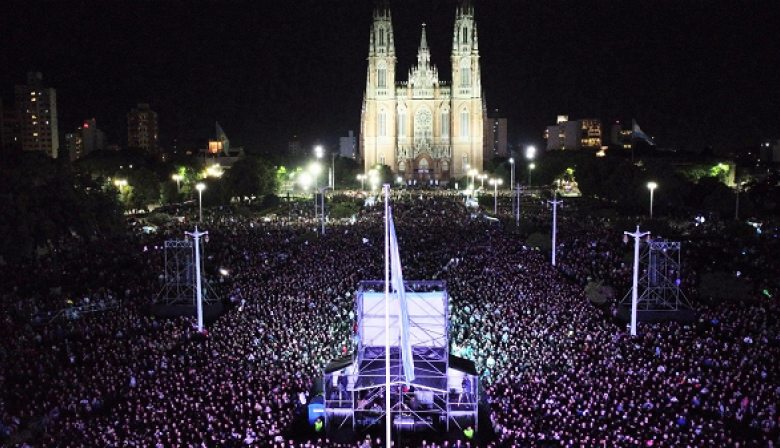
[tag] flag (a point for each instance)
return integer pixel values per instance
(397, 282)
(638, 134)
(222, 137)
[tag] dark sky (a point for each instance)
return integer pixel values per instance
(691, 73)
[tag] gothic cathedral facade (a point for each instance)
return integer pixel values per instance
(424, 129)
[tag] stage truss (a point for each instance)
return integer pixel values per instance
(440, 394)
(659, 281)
(180, 286)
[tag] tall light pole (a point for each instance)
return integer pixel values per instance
(517, 212)
(634, 290)
(333, 170)
(530, 152)
(512, 182)
(178, 178)
(322, 199)
(652, 186)
(736, 210)
(200, 186)
(555, 202)
(315, 169)
(362, 179)
(373, 176)
(482, 177)
(472, 173)
(495, 183)
(198, 287)
(121, 183)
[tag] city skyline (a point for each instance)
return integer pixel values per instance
(693, 75)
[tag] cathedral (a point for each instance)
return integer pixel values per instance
(424, 128)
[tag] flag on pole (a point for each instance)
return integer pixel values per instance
(222, 137)
(397, 283)
(638, 134)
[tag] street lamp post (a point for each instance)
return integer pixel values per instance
(517, 212)
(555, 202)
(198, 287)
(482, 177)
(512, 181)
(373, 176)
(495, 183)
(177, 178)
(634, 289)
(530, 153)
(315, 169)
(652, 186)
(736, 210)
(200, 187)
(362, 179)
(322, 196)
(472, 173)
(121, 183)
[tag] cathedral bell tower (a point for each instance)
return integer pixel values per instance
(378, 121)
(466, 91)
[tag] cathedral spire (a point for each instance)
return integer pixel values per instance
(423, 53)
(465, 8)
(381, 41)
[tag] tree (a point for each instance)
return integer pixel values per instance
(250, 177)
(144, 188)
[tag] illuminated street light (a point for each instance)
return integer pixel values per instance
(304, 180)
(512, 182)
(178, 178)
(482, 177)
(315, 169)
(200, 186)
(318, 151)
(530, 170)
(495, 183)
(530, 152)
(362, 179)
(214, 171)
(373, 176)
(121, 183)
(652, 186)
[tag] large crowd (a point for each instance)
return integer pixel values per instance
(556, 369)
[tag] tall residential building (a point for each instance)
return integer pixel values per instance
(348, 146)
(423, 128)
(142, 129)
(37, 108)
(86, 139)
(74, 143)
(294, 147)
(574, 134)
(621, 135)
(10, 130)
(495, 137)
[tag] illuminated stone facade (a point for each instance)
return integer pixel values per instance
(423, 128)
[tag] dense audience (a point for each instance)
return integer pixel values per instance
(556, 369)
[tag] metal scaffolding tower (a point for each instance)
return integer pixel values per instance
(659, 283)
(180, 286)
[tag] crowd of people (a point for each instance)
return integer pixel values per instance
(556, 369)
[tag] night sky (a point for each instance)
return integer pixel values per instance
(693, 74)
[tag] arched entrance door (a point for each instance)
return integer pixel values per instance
(424, 169)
